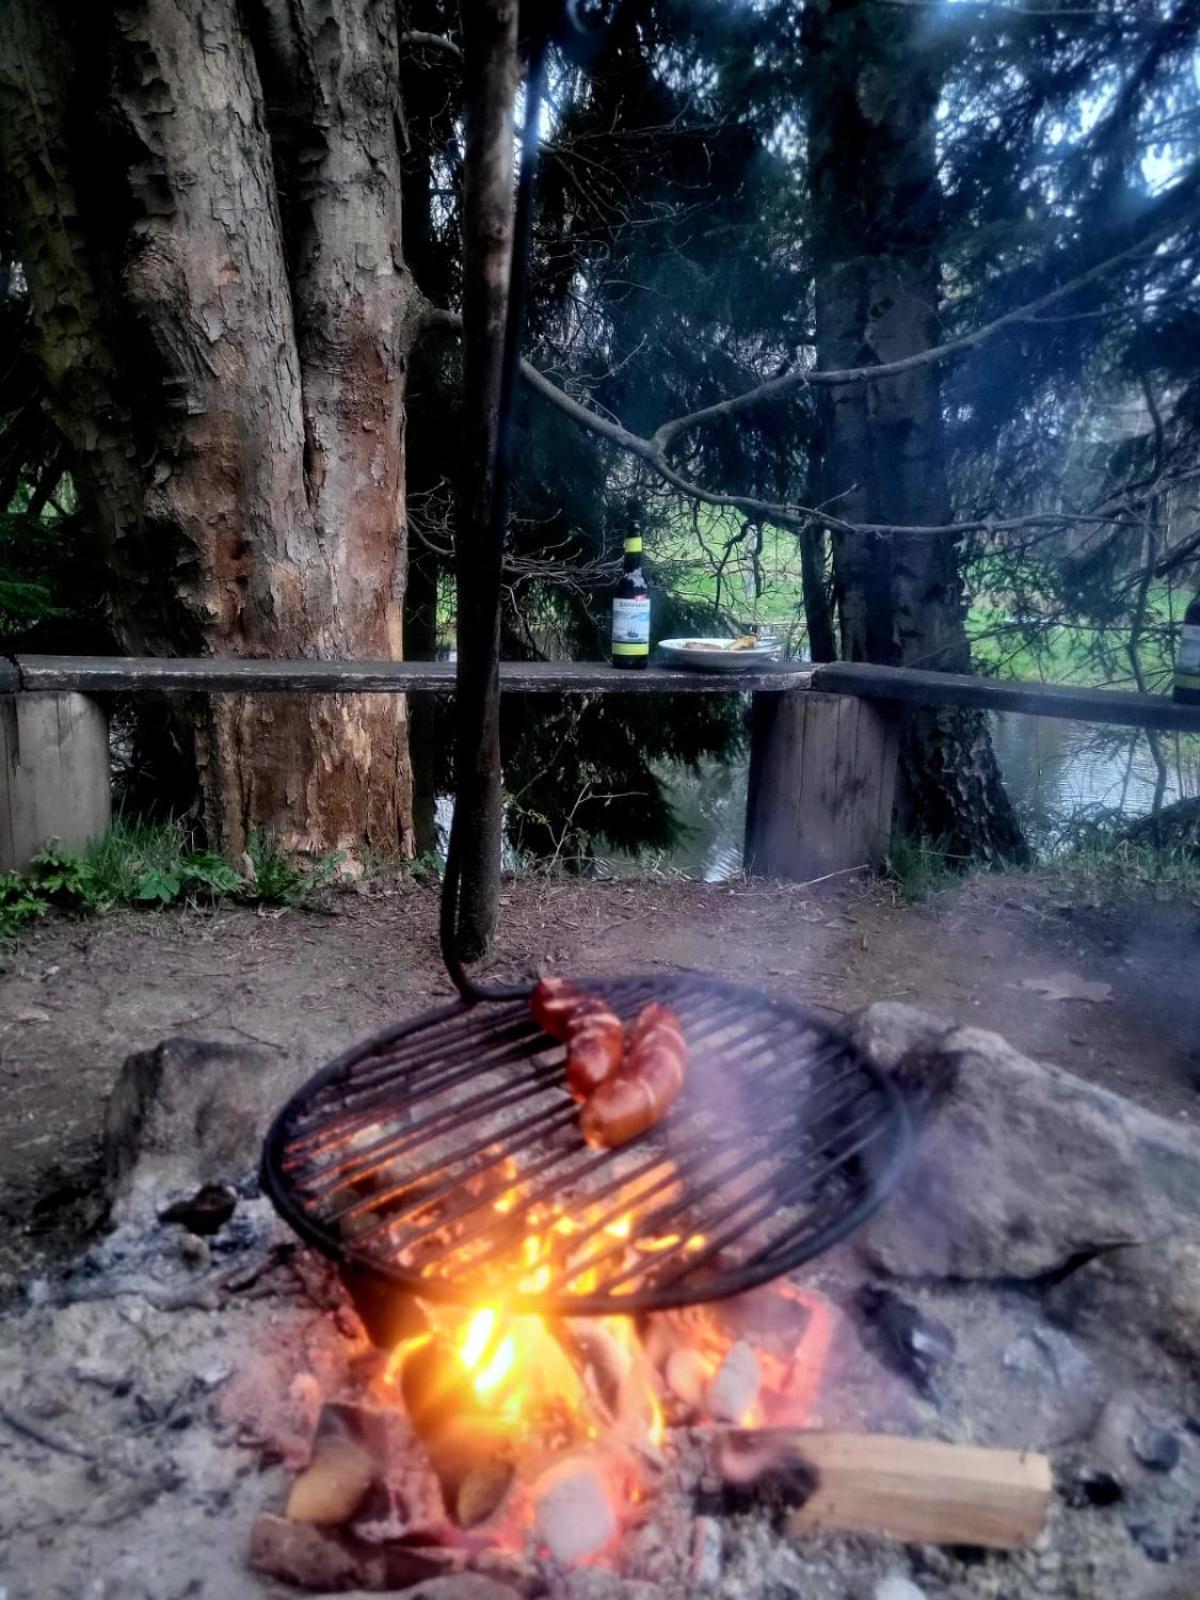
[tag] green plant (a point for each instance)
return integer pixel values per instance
(278, 878)
(916, 869)
(1116, 866)
(200, 875)
(19, 904)
(64, 880)
(424, 869)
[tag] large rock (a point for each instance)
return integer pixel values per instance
(1019, 1169)
(1143, 1295)
(188, 1113)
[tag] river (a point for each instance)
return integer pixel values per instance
(1059, 775)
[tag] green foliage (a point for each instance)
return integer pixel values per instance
(1106, 865)
(278, 878)
(919, 870)
(155, 866)
(197, 876)
(19, 903)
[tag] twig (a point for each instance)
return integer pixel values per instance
(29, 1429)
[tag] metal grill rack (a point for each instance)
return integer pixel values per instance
(393, 1157)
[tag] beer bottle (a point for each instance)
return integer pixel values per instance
(631, 606)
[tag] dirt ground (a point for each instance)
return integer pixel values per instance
(77, 998)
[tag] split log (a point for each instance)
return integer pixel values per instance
(348, 1457)
(920, 1490)
(470, 1451)
(329, 1561)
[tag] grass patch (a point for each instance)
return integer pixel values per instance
(918, 870)
(1108, 866)
(156, 866)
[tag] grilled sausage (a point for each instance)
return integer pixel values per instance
(595, 1047)
(591, 1029)
(647, 1085)
(554, 1002)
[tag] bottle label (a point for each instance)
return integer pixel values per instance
(631, 626)
(1187, 660)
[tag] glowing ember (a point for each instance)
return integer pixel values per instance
(479, 1336)
(498, 1368)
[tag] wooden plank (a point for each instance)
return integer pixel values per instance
(182, 675)
(55, 780)
(822, 779)
(912, 685)
(919, 1490)
(923, 1490)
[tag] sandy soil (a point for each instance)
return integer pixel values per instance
(77, 998)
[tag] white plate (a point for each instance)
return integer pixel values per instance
(676, 653)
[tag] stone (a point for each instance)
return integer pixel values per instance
(735, 1384)
(573, 1509)
(1156, 1539)
(1146, 1297)
(977, 1201)
(910, 1343)
(205, 1212)
(1107, 1448)
(186, 1114)
(897, 1587)
(1046, 1353)
(686, 1376)
(1158, 1449)
(349, 1447)
(706, 1550)
(890, 1031)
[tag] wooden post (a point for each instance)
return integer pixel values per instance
(55, 780)
(822, 779)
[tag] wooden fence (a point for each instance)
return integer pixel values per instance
(822, 752)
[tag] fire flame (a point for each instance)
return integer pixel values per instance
(555, 1387)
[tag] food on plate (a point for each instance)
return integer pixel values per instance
(647, 1085)
(746, 641)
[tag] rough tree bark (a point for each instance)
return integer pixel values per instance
(873, 176)
(490, 73)
(206, 197)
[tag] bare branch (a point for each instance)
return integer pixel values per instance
(435, 41)
(775, 388)
(652, 451)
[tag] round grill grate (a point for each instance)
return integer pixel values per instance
(432, 1154)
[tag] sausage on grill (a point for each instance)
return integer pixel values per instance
(554, 1002)
(591, 1029)
(595, 1047)
(647, 1085)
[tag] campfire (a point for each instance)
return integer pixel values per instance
(559, 1429)
(890, 1412)
(558, 1326)
(549, 1314)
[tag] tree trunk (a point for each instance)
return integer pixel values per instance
(490, 70)
(876, 206)
(208, 216)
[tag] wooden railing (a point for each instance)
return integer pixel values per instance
(822, 753)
